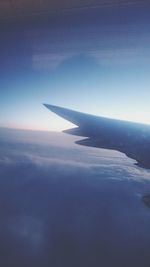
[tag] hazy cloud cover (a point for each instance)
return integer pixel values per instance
(68, 205)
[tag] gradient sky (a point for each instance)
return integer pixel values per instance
(95, 60)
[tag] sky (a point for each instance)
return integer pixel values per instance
(94, 60)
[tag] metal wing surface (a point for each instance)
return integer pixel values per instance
(130, 138)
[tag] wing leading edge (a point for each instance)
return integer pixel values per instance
(132, 139)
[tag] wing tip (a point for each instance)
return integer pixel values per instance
(52, 107)
(48, 105)
(67, 114)
(60, 111)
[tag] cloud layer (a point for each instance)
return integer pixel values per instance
(70, 206)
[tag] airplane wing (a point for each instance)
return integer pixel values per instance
(130, 138)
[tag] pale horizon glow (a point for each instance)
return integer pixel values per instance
(55, 123)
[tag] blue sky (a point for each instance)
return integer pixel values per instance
(91, 60)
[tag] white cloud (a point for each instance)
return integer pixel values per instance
(49, 61)
(120, 56)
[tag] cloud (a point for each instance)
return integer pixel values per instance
(109, 57)
(63, 156)
(49, 61)
(107, 39)
(112, 57)
(107, 45)
(63, 206)
(28, 229)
